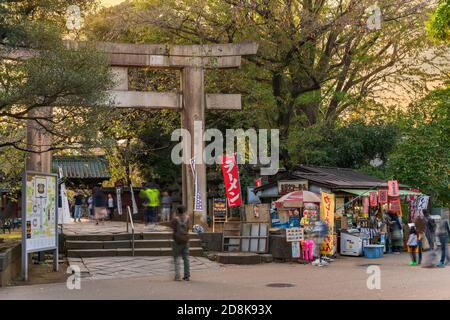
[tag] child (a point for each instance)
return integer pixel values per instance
(412, 245)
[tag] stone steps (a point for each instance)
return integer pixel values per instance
(90, 253)
(110, 245)
(118, 244)
(123, 236)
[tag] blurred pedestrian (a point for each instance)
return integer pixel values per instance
(99, 202)
(396, 233)
(443, 233)
(166, 206)
(413, 245)
(111, 206)
(90, 202)
(420, 224)
(151, 202)
(180, 244)
(78, 202)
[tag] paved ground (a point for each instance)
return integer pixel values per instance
(345, 278)
(124, 267)
(108, 227)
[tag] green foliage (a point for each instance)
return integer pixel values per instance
(438, 26)
(422, 156)
(349, 145)
(67, 80)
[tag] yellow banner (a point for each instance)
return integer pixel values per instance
(327, 206)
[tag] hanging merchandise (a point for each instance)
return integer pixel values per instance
(382, 196)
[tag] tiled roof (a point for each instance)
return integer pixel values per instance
(330, 177)
(82, 167)
(337, 177)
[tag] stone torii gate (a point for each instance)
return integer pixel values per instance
(191, 60)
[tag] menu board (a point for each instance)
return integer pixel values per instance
(294, 234)
(40, 211)
(219, 207)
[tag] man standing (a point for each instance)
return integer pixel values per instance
(78, 199)
(180, 245)
(151, 202)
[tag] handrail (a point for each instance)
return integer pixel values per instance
(130, 217)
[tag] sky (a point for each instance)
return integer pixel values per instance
(111, 2)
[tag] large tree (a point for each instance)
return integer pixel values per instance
(317, 59)
(37, 70)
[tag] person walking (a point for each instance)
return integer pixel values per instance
(180, 244)
(151, 202)
(413, 245)
(78, 201)
(420, 224)
(111, 206)
(396, 232)
(90, 202)
(166, 206)
(99, 202)
(443, 233)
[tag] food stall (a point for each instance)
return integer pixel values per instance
(362, 219)
(298, 211)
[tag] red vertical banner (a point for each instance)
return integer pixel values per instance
(373, 198)
(231, 179)
(258, 182)
(382, 196)
(393, 190)
(366, 205)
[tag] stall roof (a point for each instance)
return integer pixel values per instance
(360, 192)
(82, 167)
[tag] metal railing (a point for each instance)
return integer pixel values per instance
(130, 220)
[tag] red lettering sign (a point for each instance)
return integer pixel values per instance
(373, 199)
(382, 196)
(231, 179)
(393, 190)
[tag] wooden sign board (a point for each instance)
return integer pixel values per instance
(219, 211)
(257, 213)
(285, 187)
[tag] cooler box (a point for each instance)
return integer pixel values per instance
(373, 251)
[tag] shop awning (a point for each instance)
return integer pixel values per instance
(360, 192)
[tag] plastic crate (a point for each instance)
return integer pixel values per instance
(373, 251)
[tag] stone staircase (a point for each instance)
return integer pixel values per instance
(112, 245)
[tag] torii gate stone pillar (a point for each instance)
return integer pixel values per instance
(191, 60)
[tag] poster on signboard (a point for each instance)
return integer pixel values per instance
(119, 200)
(40, 214)
(296, 249)
(294, 234)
